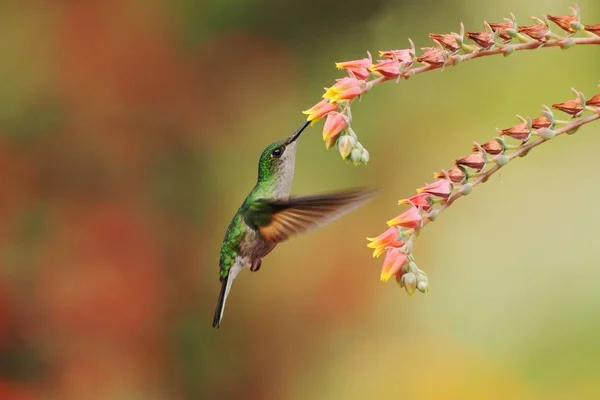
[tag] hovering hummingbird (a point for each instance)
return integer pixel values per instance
(269, 215)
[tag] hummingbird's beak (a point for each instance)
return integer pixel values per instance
(297, 134)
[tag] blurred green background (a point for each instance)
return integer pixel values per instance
(130, 132)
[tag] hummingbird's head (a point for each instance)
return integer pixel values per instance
(276, 165)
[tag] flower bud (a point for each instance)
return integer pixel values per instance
(520, 132)
(474, 160)
(433, 215)
(492, 147)
(595, 29)
(433, 56)
(546, 133)
(423, 287)
(409, 281)
(365, 157)
(355, 156)
(566, 43)
(594, 101)
(501, 160)
(345, 145)
(466, 189)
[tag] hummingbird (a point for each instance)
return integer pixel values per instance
(269, 216)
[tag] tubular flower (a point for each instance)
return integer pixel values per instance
(319, 110)
(474, 160)
(455, 174)
(334, 124)
(433, 56)
(572, 107)
(565, 22)
(404, 55)
(541, 122)
(447, 40)
(410, 218)
(360, 68)
(344, 89)
(501, 28)
(440, 188)
(418, 200)
(594, 101)
(393, 263)
(492, 147)
(387, 239)
(387, 68)
(539, 32)
(595, 29)
(483, 39)
(520, 132)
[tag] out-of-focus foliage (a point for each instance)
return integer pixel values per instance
(129, 135)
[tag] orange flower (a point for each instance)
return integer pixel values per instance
(344, 89)
(594, 101)
(483, 39)
(564, 21)
(572, 107)
(410, 218)
(393, 263)
(387, 239)
(440, 188)
(433, 56)
(595, 29)
(474, 160)
(539, 32)
(541, 122)
(387, 68)
(334, 124)
(491, 147)
(360, 68)
(447, 40)
(418, 200)
(319, 110)
(403, 55)
(520, 132)
(502, 28)
(455, 174)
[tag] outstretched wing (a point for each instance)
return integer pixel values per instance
(277, 220)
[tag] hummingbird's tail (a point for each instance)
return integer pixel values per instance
(221, 303)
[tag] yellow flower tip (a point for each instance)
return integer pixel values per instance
(385, 277)
(378, 252)
(403, 202)
(339, 65)
(420, 190)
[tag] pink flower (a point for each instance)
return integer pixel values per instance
(410, 218)
(387, 68)
(404, 55)
(360, 68)
(344, 89)
(572, 107)
(384, 241)
(393, 263)
(319, 110)
(440, 188)
(418, 200)
(334, 124)
(474, 160)
(455, 174)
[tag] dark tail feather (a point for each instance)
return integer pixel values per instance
(219, 311)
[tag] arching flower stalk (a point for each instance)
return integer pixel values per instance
(467, 173)
(448, 50)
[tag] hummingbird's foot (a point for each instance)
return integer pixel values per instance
(256, 265)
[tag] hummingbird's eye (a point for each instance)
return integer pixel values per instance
(277, 152)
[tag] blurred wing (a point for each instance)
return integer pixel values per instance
(278, 220)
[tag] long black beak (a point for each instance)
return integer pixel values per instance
(297, 134)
